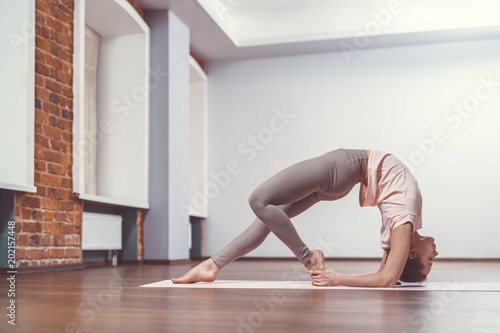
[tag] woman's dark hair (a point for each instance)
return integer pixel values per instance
(413, 271)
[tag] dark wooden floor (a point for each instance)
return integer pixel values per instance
(108, 299)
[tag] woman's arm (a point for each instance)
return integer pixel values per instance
(384, 260)
(388, 274)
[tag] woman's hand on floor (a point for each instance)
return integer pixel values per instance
(325, 277)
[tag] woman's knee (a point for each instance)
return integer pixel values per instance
(257, 201)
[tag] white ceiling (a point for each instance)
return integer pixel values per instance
(96, 17)
(236, 29)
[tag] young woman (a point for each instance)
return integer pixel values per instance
(385, 182)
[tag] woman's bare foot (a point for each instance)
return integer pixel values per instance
(317, 261)
(204, 272)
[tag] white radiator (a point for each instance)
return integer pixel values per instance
(101, 231)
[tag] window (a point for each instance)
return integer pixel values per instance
(111, 103)
(17, 87)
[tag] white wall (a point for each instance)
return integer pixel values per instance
(17, 87)
(197, 146)
(178, 138)
(385, 99)
(122, 101)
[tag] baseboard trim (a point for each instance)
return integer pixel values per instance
(467, 259)
(106, 263)
(130, 262)
(166, 262)
(295, 259)
(43, 269)
(362, 259)
(198, 258)
(97, 263)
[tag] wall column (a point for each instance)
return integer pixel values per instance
(166, 225)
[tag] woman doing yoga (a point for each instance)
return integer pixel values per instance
(385, 183)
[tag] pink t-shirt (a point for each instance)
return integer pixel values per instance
(394, 190)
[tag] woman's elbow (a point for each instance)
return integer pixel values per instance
(390, 284)
(389, 281)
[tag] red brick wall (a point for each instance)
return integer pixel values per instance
(140, 234)
(137, 7)
(48, 223)
(198, 60)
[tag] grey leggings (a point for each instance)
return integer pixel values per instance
(292, 191)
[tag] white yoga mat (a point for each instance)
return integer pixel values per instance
(248, 284)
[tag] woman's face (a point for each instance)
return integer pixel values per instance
(425, 248)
